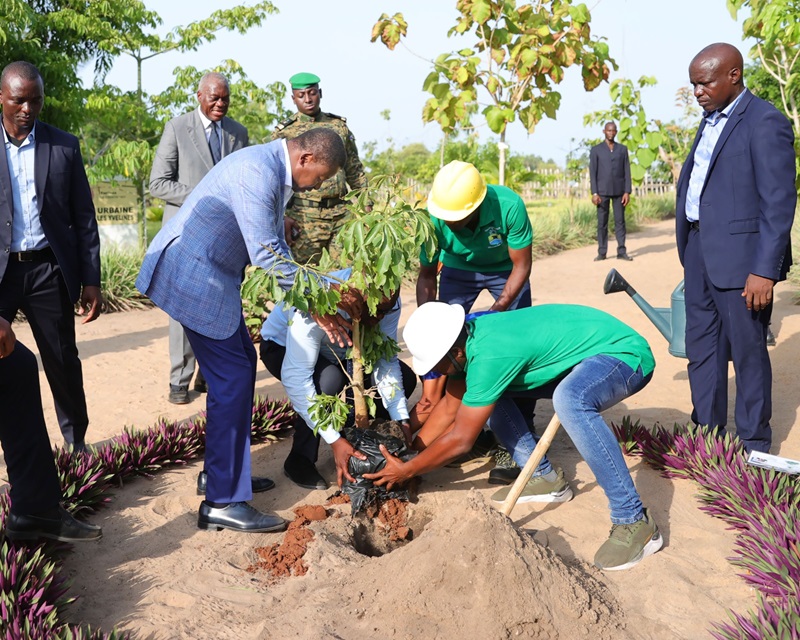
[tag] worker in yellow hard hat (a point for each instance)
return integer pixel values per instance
(484, 240)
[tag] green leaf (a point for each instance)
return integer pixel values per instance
(654, 139)
(645, 156)
(481, 11)
(495, 118)
(637, 173)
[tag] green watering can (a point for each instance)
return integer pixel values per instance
(670, 322)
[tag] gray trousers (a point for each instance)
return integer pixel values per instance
(181, 356)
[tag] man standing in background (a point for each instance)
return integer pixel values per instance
(50, 257)
(190, 145)
(319, 213)
(610, 177)
(735, 207)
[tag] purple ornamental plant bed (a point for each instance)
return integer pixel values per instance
(761, 505)
(32, 588)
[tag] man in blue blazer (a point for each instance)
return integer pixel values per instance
(49, 244)
(193, 270)
(735, 207)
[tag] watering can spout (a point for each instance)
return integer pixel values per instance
(671, 322)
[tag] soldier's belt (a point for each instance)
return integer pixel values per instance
(324, 203)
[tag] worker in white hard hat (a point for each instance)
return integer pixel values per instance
(484, 239)
(594, 361)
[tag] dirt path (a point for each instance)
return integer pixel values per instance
(155, 573)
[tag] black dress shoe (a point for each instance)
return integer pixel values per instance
(598, 258)
(238, 516)
(200, 384)
(303, 473)
(625, 256)
(179, 394)
(60, 525)
(259, 484)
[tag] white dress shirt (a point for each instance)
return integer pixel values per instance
(27, 233)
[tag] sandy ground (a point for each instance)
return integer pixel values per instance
(468, 573)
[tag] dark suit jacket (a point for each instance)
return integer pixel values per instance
(66, 210)
(748, 200)
(610, 173)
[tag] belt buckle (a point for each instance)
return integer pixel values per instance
(24, 256)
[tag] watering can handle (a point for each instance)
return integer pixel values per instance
(530, 466)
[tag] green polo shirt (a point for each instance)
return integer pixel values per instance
(503, 224)
(527, 348)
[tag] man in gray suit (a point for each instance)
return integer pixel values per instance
(193, 270)
(190, 146)
(610, 176)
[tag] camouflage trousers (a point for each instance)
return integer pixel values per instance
(319, 229)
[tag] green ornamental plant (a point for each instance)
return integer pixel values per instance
(379, 241)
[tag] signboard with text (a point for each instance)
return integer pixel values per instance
(116, 208)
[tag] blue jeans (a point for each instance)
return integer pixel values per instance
(593, 386)
(511, 429)
(457, 286)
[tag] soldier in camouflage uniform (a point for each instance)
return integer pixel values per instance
(319, 213)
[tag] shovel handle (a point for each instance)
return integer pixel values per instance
(530, 466)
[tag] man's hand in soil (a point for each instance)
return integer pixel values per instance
(342, 451)
(394, 473)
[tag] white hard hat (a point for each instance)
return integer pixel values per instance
(431, 332)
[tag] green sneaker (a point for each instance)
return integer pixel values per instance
(540, 490)
(629, 544)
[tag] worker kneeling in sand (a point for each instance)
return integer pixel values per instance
(593, 360)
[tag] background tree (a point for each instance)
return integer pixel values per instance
(46, 33)
(678, 135)
(517, 57)
(132, 155)
(775, 27)
(642, 137)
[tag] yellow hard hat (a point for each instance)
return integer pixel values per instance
(458, 189)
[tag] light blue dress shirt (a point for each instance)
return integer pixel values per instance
(715, 124)
(305, 342)
(26, 229)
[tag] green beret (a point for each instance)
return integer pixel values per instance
(303, 80)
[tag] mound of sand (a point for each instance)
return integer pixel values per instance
(469, 573)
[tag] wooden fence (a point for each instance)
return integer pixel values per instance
(555, 185)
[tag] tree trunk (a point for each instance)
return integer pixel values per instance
(362, 413)
(502, 146)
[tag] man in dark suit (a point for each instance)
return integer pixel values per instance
(735, 207)
(35, 492)
(190, 146)
(50, 255)
(610, 177)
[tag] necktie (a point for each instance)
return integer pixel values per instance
(213, 144)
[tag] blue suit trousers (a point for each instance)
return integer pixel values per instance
(229, 367)
(719, 328)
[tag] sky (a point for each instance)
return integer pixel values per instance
(360, 79)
